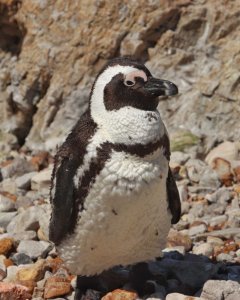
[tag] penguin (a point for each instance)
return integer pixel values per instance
(113, 196)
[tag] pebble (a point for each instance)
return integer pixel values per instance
(29, 219)
(224, 257)
(6, 218)
(56, 286)
(11, 274)
(195, 230)
(177, 239)
(203, 249)
(32, 272)
(177, 296)
(6, 245)
(179, 249)
(14, 291)
(24, 181)
(21, 259)
(218, 220)
(120, 295)
(214, 240)
(24, 235)
(42, 180)
(6, 204)
(34, 249)
(221, 289)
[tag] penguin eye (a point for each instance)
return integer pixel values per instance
(129, 83)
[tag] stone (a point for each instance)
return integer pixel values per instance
(3, 274)
(222, 195)
(6, 246)
(6, 218)
(24, 181)
(203, 249)
(41, 180)
(214, 240)
(223, 169)
(56, 286)
(226, 150)
(19, 166)
(29, 219)
(9, 186)
(196, 230)
(6, 204)
(24, 235)
(218, 220)
(120, 295)
(177, 296)
(34, 249)
(177, 239)
(21, 259)
(178, 157)
(11, 274)
(224, 257)
(224, 233)
(220, 289)
(14, 291)
(32, 272)
(179, 249)
(183, 139)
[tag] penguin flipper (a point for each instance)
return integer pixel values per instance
(63, 198)
(173, 198)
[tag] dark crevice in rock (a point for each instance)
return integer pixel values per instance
(12, 32)
(153, 34)
(25, 111)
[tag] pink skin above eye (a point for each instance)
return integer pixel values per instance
(131, 76)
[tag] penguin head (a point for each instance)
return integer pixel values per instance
(125, 83)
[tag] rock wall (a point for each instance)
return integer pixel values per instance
(50, 52)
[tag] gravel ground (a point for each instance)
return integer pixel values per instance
(202, 255)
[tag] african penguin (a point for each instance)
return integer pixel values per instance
(113, 196)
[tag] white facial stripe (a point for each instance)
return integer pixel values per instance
(131, 76)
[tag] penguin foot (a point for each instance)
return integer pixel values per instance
(88, 288)
(139, 279)
(88, 295)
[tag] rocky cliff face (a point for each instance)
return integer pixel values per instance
(50, 52)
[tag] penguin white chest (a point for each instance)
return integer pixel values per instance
(125, 217)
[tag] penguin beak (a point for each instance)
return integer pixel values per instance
(159, 87)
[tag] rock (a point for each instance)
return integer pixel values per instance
(224, 257)
(179, 249)
(56, 286)
(11, 274)
(218, 220)
(220, 289)
(34, 249)
(196, 230)
(10, 291)
(177, 296)
(32, 272)
(177, 239)
(203, 249)
(24, 181)
(223, 169)
(8, 185)
(179, 158)
(214, 240)
(27, 220)
(224, 233)
(41, 180)
(21, 259)
(227, 150)
(6, 204)
(6, 245)
(19, 166)
(120, 295)
(6, 218)
(24, 235)
(3, 274)
(220, 196)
